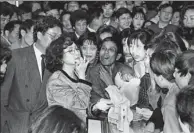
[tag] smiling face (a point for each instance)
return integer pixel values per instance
(124, 21)
(89, 50)
(108, 53)
(137, 50)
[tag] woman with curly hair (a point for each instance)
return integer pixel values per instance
(67, 86)
(5, 56)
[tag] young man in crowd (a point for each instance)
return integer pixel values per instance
(108, 9)
(95, 19)
(23, 91)
(79, 22)
(165, 15)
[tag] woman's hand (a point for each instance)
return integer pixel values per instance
(80, 68)
(103, 104)
(105, 76)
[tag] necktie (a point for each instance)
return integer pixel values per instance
(43, 65)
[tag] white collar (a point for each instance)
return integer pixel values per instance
(90, 29)
(77, 35)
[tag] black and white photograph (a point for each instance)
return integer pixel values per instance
(97, 66)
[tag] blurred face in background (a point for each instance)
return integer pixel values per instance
(107, 10)
(4, 21)
(176, 18)
(54, 13)
(80, 27)
(119, 4)
(72, 6)
(13, 36)
(165, 14)
(35, 6)
(66, 23)
(188, 19)
(138, 21)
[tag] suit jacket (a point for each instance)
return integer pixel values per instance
(22, 90)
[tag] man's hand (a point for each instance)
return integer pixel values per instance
(103, 104)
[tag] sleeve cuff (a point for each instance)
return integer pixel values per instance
(85, 82)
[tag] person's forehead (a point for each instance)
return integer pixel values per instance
(168, 8)
(2, 16)
(108, 5)
(66, 16)
(190, 11)
(55, 29)
(73, 3)
(109, 44)
(125, 15)
(80, 21)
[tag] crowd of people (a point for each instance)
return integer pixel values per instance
(63, 62)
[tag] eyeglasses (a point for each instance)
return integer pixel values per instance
(53, 37)
(72, 51)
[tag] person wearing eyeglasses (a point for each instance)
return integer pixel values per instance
(23, 92)
(67, 86)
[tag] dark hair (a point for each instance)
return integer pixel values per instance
(77, 16)
(185, 64)
(104, 3)
(122, 11)
(125, 33)
(183, 11)
(25, 7)
(6, 9)
(54, 5)
(111, 39)
(94, 13)
(64, 13)
(163, 6)
(44, 23)
(184, 105)
(57, 119)
(88, 36)
(138, 10)
(5, 52)
(26, 25)
(54, 52)
(162, 63)
(11, 25)
(144, 35)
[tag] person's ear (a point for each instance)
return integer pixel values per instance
(6, 33)
(39, 35)
(23, 33)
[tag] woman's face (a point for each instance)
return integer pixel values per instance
(181, 81)
(89, 50)
(71, 55)
(188, 19)
(138, 21)
(175, 18)
(137, 50)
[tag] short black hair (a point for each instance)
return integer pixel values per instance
(122, 11)
(162, 63)
(77, 16)
(165, 6)
(184, 105)
(26, 25)
(11, 24)
(64, 13)
(6, 9)
(94, 13)
(44, 23)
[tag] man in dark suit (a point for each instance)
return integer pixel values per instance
(23, 90)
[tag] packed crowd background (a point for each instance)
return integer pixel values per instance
(64, 62)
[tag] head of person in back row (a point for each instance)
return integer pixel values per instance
(123, 18)
(95, 19)
(184, 69)
(79, 22)
(65, 19)
(185, 108)
(165, 14)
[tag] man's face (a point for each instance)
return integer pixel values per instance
(13, 36)
(35, 6)
(72, 6)
(99, 21)
(107, 10)
(4, 21)
(28, 38)
(124, 21)
(108, 53)
(50, 35)
(26, 16)
(80, 27)
(54, 13)
(66, 23)
(166, 14)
